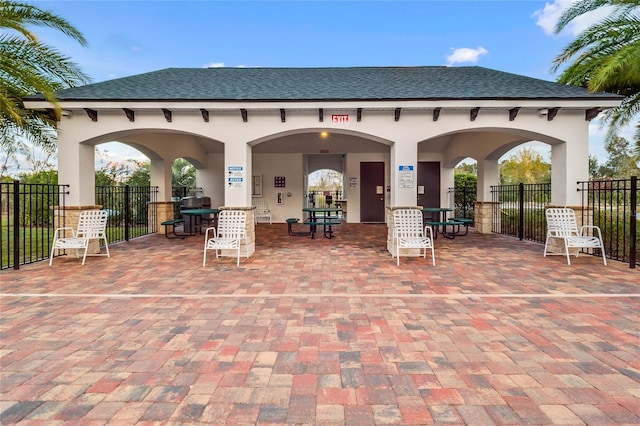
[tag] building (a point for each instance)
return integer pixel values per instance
(395, 132)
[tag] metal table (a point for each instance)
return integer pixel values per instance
(196, 216)
(327, 220)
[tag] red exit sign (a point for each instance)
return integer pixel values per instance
(339, 118)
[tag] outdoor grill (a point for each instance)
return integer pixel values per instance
(190, 203)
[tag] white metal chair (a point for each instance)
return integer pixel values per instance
(562, 224)
(91, 226)
(409, 232)
(229, 235)
(262, 210)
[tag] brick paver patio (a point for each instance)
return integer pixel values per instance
(321, 332)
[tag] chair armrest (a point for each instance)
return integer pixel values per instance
(64, 228)
(428, 232)
(213, 231)
(597, 228)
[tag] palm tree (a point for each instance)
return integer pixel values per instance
(29, 67)
(606, 56)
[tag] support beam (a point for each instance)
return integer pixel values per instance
(436, 113)
(552, 113)
(474, 113)
(243, 113)
(320, 115)
(397, 114)
(513, 113)
(283, 116)
(359, 114)
(167, 115)
(131, 114)
(591, 113)
(205, 115)
(92, 113)
(52, 114)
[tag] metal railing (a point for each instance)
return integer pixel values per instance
(463, 200)
(323, 199)
(132, 210)
(27, 221)
(519, 210)
(615, 206)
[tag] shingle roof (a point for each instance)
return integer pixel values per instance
(335, 84)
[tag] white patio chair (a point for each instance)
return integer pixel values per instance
(230, 233)
(262, 210)
(562, 224)
(91, 226)
(409, 232)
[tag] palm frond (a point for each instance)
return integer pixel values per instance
(16, 15)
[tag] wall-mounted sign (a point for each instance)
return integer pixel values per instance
(405, 176)
(339, 118)
(279, 182)
(235, 177)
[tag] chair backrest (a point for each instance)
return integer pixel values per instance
(261, 206)
(407, 223)
(562, 221)
(232, 223)
(92, 224)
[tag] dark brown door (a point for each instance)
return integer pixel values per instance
(372, 192)
(429, 183)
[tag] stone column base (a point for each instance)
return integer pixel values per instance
(483, 216)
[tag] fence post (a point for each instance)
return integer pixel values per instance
(127, 212)
(521, 211)
(634, 221)
(16, 224)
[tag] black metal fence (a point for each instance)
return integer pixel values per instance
(132, 210)
(322, 199)
(615, 206)
(519, 212)
(27, 221)
(463, 199)
(27, 217)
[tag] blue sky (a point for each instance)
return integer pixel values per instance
(132, 37)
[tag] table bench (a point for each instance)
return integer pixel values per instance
(290, 222)
(465, 221)
(326, 226)
(170, 228)
(455, 228)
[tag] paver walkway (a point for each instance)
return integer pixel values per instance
(321, 332)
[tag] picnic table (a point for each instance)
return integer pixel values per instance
(322, 216)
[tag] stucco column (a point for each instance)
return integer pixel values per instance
(212, 179)
(488, 175)
(160, 176)
(237, 174)
(569, 165)
(404, 173)
(76, 167)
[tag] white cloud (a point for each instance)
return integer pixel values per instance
(215, 65)
(548, 16)
(465, 54)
